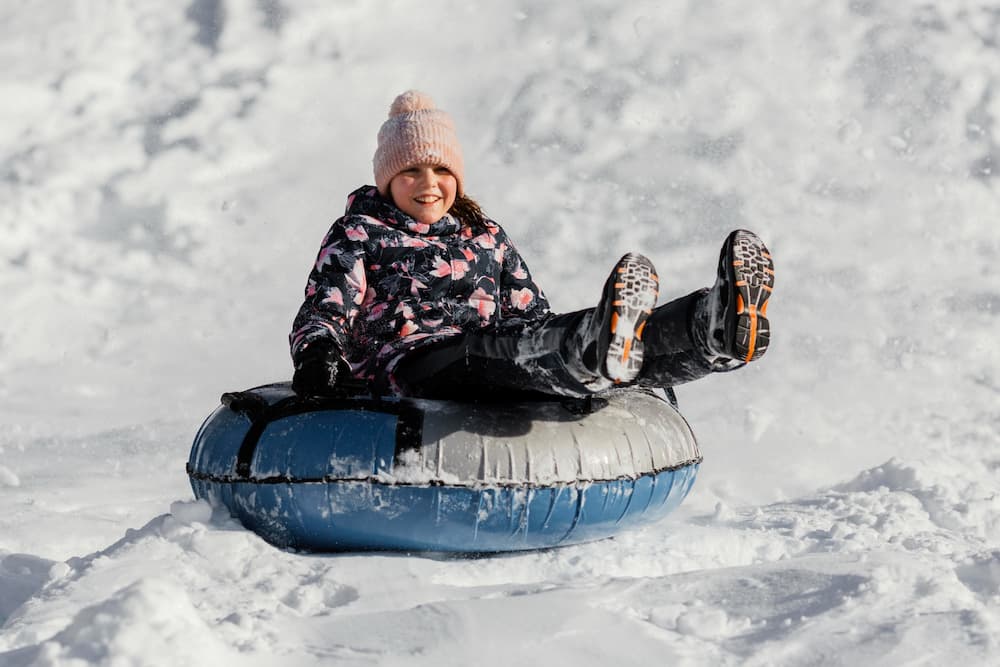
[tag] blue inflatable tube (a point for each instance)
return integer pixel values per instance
(416, 475)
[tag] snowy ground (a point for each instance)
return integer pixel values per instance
(166, 175)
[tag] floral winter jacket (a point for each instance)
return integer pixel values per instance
(384, 284)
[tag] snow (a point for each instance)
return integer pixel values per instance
(166, 176)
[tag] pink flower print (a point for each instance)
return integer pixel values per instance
(334, 295)
(459, 269)
(414, 242)
(376, 311)
(486, 241)
(404, 310)
(419, 227)
(356, 279)
(499, 252)
(310, 289)
(521, 298)
(416, 286)
(469, 254)
(441, 268)
(356, 233)
(432, 324)
(370, 296)
(483, 303)
(324, 256)
(408, 329)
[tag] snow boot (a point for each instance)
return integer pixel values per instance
(612, 345)
(731, 321)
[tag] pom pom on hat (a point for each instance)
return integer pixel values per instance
(417, 132)
(411, 100)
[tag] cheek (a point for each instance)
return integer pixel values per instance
(397, 188)
(451, 191)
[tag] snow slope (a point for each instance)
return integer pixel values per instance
(166, 175)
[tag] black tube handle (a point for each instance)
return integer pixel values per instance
(245, 402)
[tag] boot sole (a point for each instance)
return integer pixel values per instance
(634, 293)
(751, 277)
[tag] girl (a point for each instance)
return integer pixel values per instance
(415, 292)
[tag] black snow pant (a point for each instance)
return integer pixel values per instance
(489, 365)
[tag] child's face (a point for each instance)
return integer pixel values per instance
(425, 192)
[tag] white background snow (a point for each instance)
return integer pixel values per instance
(167, 171)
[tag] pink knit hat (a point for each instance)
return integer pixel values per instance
(416, 132)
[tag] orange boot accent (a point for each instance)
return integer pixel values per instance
(753, 332)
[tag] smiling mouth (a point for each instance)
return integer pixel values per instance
(428, 199)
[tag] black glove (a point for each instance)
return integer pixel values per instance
(317, 366)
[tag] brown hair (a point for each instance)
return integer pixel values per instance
(468, 212)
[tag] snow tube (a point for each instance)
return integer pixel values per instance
(360, 473)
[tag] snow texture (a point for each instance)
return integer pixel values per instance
(168, 171)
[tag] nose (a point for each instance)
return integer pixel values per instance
(429, 177)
